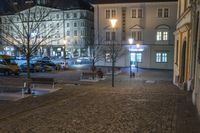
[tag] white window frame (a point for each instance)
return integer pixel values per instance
(162, 35)
(136, 13)
(110, 13)
(161, 57)
(138, 35)
(139, 57)
(163, 15)
(107, 57)
(110, 36)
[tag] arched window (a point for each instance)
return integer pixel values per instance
(162, 33)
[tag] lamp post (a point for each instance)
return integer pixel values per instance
(137, 46)
(64, 54)
(130, 40)
(113, 25)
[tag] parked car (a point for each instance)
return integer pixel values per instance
(61, 64)
(8, 65)
(33, 67)
(49, 65)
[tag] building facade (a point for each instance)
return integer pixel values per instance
(187, 49)
(196, 44)
(149, 24)
(73, 28)
(184, 52)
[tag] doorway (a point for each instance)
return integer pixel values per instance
(136, 57)
(182, 78)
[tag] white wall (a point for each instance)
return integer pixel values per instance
(148, 25)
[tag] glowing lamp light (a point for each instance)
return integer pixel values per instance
(138, 45)
(113, 22)
(130, 40)
(64, 41)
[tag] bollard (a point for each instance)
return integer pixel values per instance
(24, 84)
(22, 92)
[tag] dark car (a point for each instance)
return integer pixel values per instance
(48, 63)
(33, 67)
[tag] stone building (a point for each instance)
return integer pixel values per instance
(187, 49)
(150, 23)
(196, 46)
(74, 31)
(183, 59)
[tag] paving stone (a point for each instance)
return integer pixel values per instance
(130, 107)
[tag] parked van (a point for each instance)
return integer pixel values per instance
(8, 65)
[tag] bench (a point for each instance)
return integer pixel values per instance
(40, 80)
(88, 75)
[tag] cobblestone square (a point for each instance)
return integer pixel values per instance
(132, 106)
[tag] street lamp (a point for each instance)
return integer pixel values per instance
(113, 23)
(137, 46)
(130, 40)
(64, 54)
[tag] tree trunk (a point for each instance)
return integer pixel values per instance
(28, 65)
(93, 68)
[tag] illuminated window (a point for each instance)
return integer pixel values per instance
(139, 57)
(164, 57)
(108, 57)
(165, 35)
(158, 57)
(162, 35)
(159, 36)
(161, 57)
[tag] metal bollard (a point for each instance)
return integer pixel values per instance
(22, 92)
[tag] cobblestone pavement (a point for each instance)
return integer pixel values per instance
(132, 106)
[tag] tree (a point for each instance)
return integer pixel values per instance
(27, 30)
(97, 54)
(119, 51)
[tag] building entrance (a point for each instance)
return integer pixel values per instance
(136, 57)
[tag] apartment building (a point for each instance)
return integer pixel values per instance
(73, 23)
(150, 24)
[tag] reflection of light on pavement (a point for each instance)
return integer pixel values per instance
(39, 92)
